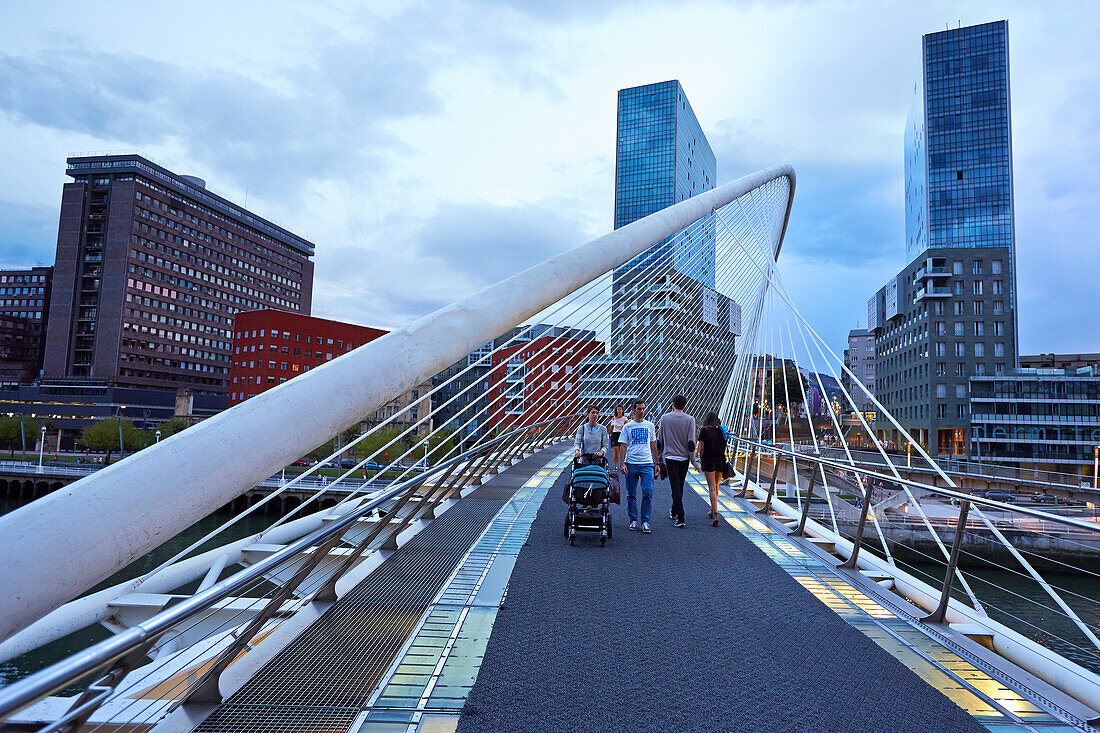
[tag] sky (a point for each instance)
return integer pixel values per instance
(431, 148)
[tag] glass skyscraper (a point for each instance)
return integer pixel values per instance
(958, 143)
(950, 314)
(662, 157)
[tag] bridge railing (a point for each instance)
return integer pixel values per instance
(992, 566)
(310, 567)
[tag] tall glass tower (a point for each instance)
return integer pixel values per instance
(662, 157)
(950, 314)
(958, 143)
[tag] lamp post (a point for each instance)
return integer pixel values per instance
(1095, 464)
(23, 436)
(158, 436)
(909, 455)
(41, 447)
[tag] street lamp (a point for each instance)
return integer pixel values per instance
(158, 436)
(41, 447)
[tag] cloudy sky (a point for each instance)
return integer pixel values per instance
(431, 148)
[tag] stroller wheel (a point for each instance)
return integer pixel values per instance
(603, 541)
(572, 541)
(568, 521)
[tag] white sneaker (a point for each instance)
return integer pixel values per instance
(645, 527)
(634, 526)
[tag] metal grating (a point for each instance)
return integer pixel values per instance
(323, 678)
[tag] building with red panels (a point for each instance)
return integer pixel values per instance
(539, 379)
(271, 346)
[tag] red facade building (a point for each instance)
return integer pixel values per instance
(272, 346)
(537, 380)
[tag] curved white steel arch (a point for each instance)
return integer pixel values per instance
(59, 546)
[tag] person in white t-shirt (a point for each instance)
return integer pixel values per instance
(640, 459)
(615, 430)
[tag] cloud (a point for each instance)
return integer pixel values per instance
(490, 242)
(25, 234)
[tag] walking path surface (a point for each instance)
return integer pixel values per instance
(683, 629)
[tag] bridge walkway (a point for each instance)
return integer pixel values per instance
(728, 628)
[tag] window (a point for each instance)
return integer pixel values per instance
(957, 267)
(998, 308)
(960, 328)
(998, 349)
(979, 328)
(979, 309)
(995, 267)
(941, 390)
(978, 287)
(958, 307)
(959, 285)
(979, 349)
(960, 391)
(998, 287)
(977, 270)
(271, 365)
(941, 411)
(941, 369)
(938, 308)
(979, 369)
(960, 348)
(941, 348)
(960, 410)
(960, 369)
(941, 328)
(999, 370)
(998, 328)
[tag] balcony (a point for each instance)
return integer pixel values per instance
(933, 292)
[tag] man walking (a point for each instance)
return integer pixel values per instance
(640, 438)
(676, 435)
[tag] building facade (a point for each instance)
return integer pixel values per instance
(662, 157)
(859, 357)
(671, 330)
(150, 270)
(951, 313)
(539, 380)
(272, 346)
(24, 316)
(1043, 419)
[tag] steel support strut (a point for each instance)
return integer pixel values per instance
(940, 614)
(850, 563)
(800, 531)
(767, 508)
(748, 465)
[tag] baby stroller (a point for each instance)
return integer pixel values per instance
(588, 495)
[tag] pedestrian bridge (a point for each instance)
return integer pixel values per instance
(449, 599)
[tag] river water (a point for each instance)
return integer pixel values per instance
(1009, 597)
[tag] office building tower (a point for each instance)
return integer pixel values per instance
(151, 268)
(859, 357)
(951, 313)
(662, 157)
(671, 331)
(24, 315)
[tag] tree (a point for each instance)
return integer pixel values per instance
(12, 434)
(788, 388)
(376, 445)
(104, 435)
(440, 444)
(172, 426)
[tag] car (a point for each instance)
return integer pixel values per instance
(1002, 496)
(1044, 499)
(301, 462)
(372, 466)
(348, 463)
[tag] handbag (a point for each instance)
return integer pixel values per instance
(614, 494)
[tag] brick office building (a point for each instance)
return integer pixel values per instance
(272, 346)
(151, 269)
(538, 380)
(24, 314)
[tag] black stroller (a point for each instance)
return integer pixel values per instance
(589, 497)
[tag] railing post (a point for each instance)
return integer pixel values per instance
(748, 465)
(850, 563)
(767, 508)
(801, 530)
(940, 614)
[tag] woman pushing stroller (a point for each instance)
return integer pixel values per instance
(592, 438)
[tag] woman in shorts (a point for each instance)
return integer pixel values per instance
(711, 449)
(615, 429)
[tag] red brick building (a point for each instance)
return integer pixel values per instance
(272, 346)
(537, 380)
